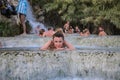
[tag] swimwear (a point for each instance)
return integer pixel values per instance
(22, 7)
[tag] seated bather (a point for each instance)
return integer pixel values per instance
(57, 43)
(41, 32)
(101, 31)
(70, 30)
(49, 33)
(77, 30)
(85, 32)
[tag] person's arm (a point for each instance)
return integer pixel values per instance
(100, 34)
(45, 47)
(69, 46)
(44, 34)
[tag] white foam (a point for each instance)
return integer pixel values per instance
(32, 20)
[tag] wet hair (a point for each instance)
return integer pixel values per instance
(58, 34)
(59, 30)
(41, 31)
(49, 28)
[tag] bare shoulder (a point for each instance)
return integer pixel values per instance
(69, 45)
(46, 45)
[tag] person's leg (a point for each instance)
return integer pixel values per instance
(22, 20)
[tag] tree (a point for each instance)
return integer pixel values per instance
(82, 11)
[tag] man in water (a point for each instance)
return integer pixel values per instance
(66, 26)
(57, 43)
(49, 33)
(102, 32)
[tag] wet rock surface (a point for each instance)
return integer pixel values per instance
(92, 41)
(95, 58)
(60, 65)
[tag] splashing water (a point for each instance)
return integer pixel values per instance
(59, 65)
(32, 20)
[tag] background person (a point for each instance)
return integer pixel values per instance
(60, 30)
(49, 33)
(41, 32)
(85, 32)
(66, 26)
(22, 12)
(101, 31)
(77, 30)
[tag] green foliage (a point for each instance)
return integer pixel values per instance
(73, 10)
(81, 11)
(7, 29)
(50, 6)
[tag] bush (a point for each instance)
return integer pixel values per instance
(8, 30)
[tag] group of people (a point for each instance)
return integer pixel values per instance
(51, 31)
(21, 11)
(58, 42)
(67, 28)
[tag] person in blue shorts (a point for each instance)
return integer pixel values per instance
(22, 12)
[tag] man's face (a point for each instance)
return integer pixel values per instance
(58, 42)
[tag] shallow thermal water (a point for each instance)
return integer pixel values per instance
(95, 58)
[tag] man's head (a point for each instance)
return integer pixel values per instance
(58, 39)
